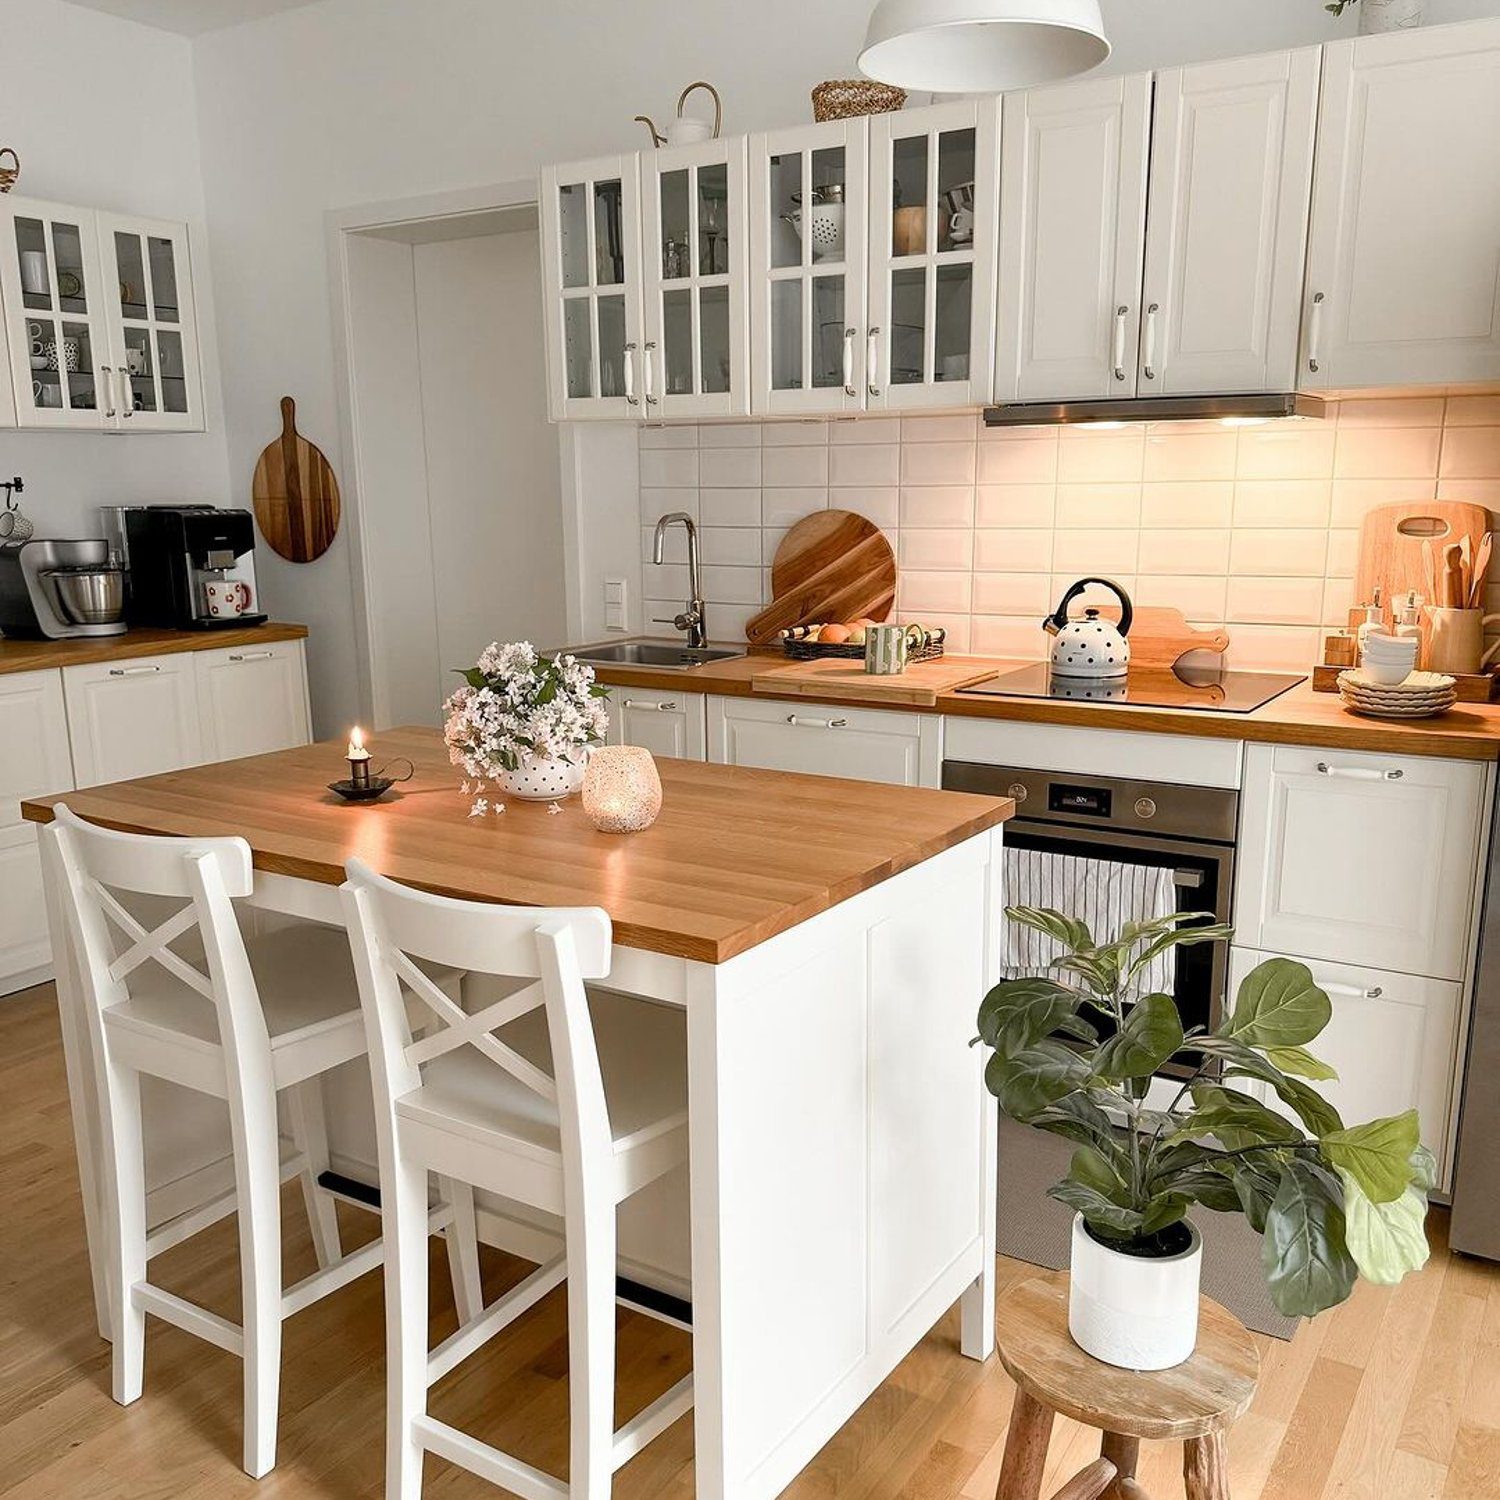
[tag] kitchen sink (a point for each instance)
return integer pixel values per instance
(655, 654)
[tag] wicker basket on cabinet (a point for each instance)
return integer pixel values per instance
(844, 98)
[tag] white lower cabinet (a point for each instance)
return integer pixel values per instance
(25, 948)
(904, 749)
(251, 700)
(34, 754)
(671, 724)
(133, 718)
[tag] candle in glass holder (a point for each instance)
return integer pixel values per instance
(359, 759)
(621, 790)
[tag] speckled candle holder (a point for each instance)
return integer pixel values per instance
(621, 790)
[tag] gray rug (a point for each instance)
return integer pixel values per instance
(1035, 1228)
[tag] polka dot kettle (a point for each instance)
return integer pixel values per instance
(1090, 647)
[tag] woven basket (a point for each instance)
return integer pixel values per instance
(844, 98)
(8, 174)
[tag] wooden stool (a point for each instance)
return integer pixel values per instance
(1194, 1403)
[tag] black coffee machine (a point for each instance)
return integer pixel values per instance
(192, 567)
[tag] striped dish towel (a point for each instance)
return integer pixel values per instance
(1104, 893)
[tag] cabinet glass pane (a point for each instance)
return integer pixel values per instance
(572, 233)
(828, 204)
(910, 195)
(908, 325)
(609, 234)
(76, 364)
(578, 346)
(828, 331)
(46, 381)
(786, 335)
(786, 200)
(676, 252)
(164, 280)
(612, 346)
(36, 274)
(132, 267)
(713, 334)
(713, 220)
(955, 190)
(955, 291)
(67, 260)
(141, 367)
(170, 371)
(677, 341)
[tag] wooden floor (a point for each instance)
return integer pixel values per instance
(1395, 1396)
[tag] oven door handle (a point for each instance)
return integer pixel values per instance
(1188, 880)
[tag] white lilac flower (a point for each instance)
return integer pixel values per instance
(480, 808)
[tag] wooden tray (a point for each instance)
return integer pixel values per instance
(1473, 687)
(918, 686)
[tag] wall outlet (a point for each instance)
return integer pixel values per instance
(615, 604)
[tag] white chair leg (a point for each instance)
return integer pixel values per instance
(463, 1249)
(404, 1212)
(591, 1352)
(310, 1135)
(257, 1161)
(125, 1210)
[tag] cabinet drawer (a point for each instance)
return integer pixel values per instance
(671, 724)
(25, 946)
(1359, 858)
(132, 718)
(251, 699)
(34, 754)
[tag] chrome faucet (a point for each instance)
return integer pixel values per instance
(692, 619)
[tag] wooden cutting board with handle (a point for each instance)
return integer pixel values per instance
(831, 567)
(835, 677)
(1161, 637)
(1390, 545)
(295, 493)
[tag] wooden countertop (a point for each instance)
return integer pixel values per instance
(1469, 731)
(736, 857)
(82, 651)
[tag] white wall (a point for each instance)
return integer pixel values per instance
(103, 114)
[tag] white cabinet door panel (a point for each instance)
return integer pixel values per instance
(1403, 272)
(1072, 227)
(1231, 179)
(34, 753)
(133, 718)
(1359, 858)
(670, 724)
(251, 699)
(25, 947)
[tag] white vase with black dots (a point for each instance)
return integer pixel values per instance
(545, 780)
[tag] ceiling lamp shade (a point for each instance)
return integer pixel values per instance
(981, 46)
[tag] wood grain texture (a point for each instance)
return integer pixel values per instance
(1472, 687)
(296, 493)
(1161, 637)
(831, 567)
(1026, 1444)
(918, 686)
(1395, 563)
(1203, 1395)
(736, 857)
(43, 656)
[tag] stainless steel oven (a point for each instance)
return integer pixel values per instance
(1185, 832)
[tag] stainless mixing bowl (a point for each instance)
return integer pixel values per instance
(90, 596)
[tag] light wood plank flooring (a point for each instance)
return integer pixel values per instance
(1395, 1396)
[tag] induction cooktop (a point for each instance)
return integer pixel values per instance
(1145, 687)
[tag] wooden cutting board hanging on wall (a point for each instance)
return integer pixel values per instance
(295, 493)
(1390, 545)
(831, 567)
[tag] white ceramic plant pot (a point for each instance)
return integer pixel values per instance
(545, 780)
(1390, 15)
(1131, 1311)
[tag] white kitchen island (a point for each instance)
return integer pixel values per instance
(830, 942)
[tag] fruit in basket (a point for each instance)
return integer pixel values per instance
(833, 635)
(856, 634)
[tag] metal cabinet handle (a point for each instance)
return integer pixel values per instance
(1354, 991)
(251, 655)
(649, 348)
(631, 398)
(127, 398)
(107, 382)
(656, 708)
(1150, 362)
(1315, 331)
(872, 360)
(817, 723)
(1121, 314)
(133, 671)
(849, 387)
(1358, 773)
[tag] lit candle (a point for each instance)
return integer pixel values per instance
(621, 790)
(359, 759)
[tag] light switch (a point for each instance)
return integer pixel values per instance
(614, 604)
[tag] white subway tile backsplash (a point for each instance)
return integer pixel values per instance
(1086, 455)
(674, 468)
(1032, 462)
(1274, 601)
(737, 468)
(1007, 550)
(725, 585)
(1201, 599)
(1187, 550)
(729, 507)
(1471, 453)
(1018, 636)
(937, 463)
(1097, 551)
(1343, 552)
(729, 435)
(926, 592)
(864, 463)
(865, 430)
(938, 505)
(794, 434)
(880, 504)
(961, 428)
(1015, 505)
(1387, 452)
(1285, 554)
(1098, 505)
(1473, 411)
(739, 545)
(1353, 499)
(674, 544)
(1288, 503)
(1013, 593)
(1402, 411)
(1191, 455)
(669, 437)
(946, 550)
(785, 507)
(798, 466)
(1177, 505)
(659, 502)
(1294, 450)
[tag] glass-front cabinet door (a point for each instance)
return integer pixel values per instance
(56, 313)
(933, 228)
(149, 290)
(695, 358)
(592, 285)
(807, 268)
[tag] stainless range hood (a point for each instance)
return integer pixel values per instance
(1245, 408)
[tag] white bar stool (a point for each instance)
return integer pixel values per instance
(268, 1017)
(550, 1096)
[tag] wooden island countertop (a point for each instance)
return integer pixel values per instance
(736, 857)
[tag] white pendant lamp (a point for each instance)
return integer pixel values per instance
(981, 46)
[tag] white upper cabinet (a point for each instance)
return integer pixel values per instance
(1072, 227)
(591, 282)
(808, 205)
(695, 358)
(932, 180)
(1403, 273)
(1231, 178)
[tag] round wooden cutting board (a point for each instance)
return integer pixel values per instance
(295, 493)
(832, 566)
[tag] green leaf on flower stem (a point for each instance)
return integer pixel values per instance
(1034, 1078)
(1235, 1120)
(1299, 1062)
(1096, 1208)
(1386, 1239)
(1019, 1012)
(1278, 1006)
(1305, 1254)
(1149, 1035)
(1378, 1154)
(1068, 931)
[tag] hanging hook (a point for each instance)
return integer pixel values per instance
(12, 488)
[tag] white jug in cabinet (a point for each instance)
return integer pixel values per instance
(1090, 647)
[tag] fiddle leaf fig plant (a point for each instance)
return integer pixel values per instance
(1074, 1050)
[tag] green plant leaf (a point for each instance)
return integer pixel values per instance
(1183, 937)
(1299, 1062)
(1387, 1240)
(1235, 1120)
(1213, 1189)
(1304, 1255)
(1034, 1078)
(1164, 1209)
(1019, 1012)
(1102, 973)
(1278, 1006)
(1093, 1169)
(1377, 1154)
(1068, 931)
(1255, 1184)
(1423, 1168)
(1151, 1033)
(1096, 1208)
(1077, 1118)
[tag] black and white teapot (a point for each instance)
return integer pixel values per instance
(1090, 647)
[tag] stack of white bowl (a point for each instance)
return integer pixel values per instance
(1387, 686)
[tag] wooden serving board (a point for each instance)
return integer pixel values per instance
(295, 493)
(831, 567)
(1390, 545)
(1160, 637)
(918, 686)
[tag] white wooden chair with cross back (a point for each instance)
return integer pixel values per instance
(552, 1097)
